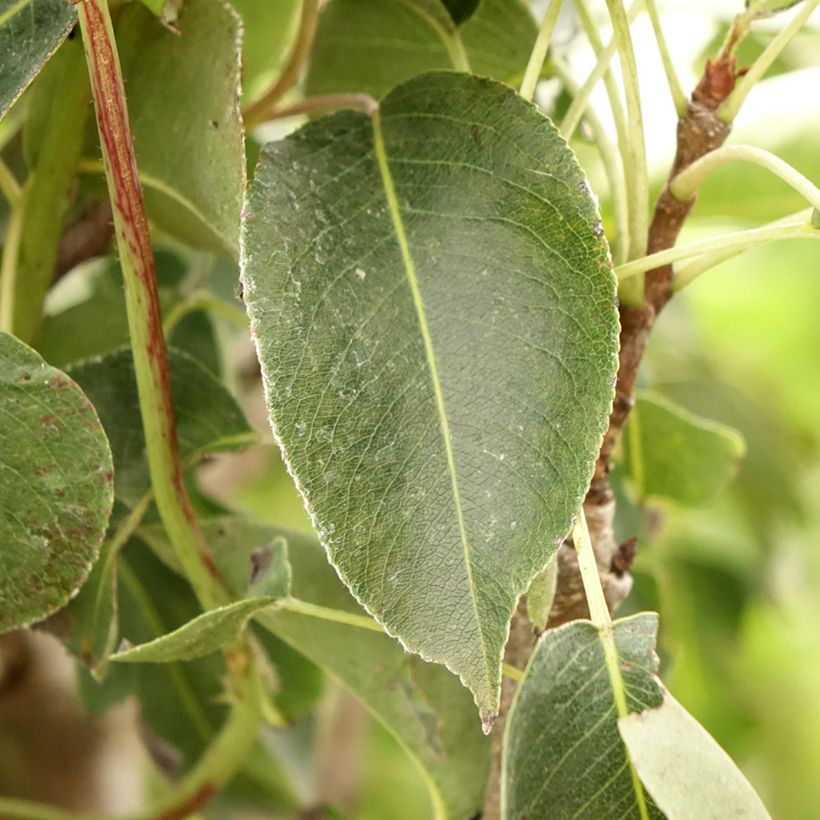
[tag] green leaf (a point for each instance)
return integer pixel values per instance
(371, 45)
(55, 482)
(422, 704)
(30, 32)
(541, 594)
(208, 417)
(183, 102)
(671, 453)
(563, 756)
(768, 8)
(434, 312)
(213, 630)
(684, 769)
(461, 10)
(268, 32)
(166, 10)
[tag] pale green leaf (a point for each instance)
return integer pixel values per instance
(183, 102)
(268, 32)
(673, 454)
(541, 594)
(208, 419)
(684, 769)
(55, 483)
(435, 318)
(563, 756)
(371, 45)
(213, 630)
(30, 32)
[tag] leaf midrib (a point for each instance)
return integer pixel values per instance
(418, 303)
(15, 9)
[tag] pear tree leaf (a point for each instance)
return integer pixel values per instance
(684, 769)
(563, 756)
(371, 45)
(183, 103)
(434, 312)
(30, 32)
(213, 630)
(673, 454)
(768, 8)
(208, 418)
(56, 485)
(541, 594)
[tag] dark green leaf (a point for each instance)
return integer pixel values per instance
(435, 319)
(30, 32)
(55, 483)
(371, 45)
(208, 417)
(563, 756)
(461, 10)
(689, 776)
(213, 630)
(183, 101)
(671, 453)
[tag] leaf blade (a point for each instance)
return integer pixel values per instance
(537, 231)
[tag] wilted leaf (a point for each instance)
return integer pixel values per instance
(207, 633)
(207, 416)
(371, 45)
(55, 482)
(671, 453)
(183, 102)
(30, 32)
(435, 319)
(563, 756)
(689, 776)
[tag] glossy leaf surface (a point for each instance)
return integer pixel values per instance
(56, 485)
(435, 318)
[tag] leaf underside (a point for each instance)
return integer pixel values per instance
(563, 755)
(434, 312)
(56, 483)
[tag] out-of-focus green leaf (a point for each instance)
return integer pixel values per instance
(688, 775)
(30, 32)
(461, 10)
(92, 295)
(541, 593)
(768, 8)
(207, 633)
(166, 10)
(671, 453)
(183, 102)
(208, 419)
(422, 704)
(563, 756)
(268, 31)
(371, 45)
(56, 484)
(376, 253)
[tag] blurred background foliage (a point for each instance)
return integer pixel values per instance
(735, 578)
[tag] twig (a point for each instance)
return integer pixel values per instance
(539, 49)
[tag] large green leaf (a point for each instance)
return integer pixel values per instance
(422, 704)
(435, 317)
(371, 45)
(208, 417)
(686, 772)
(55, 483)
(30, 32)
(563, 756)
(671, 453)
(183, 102)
